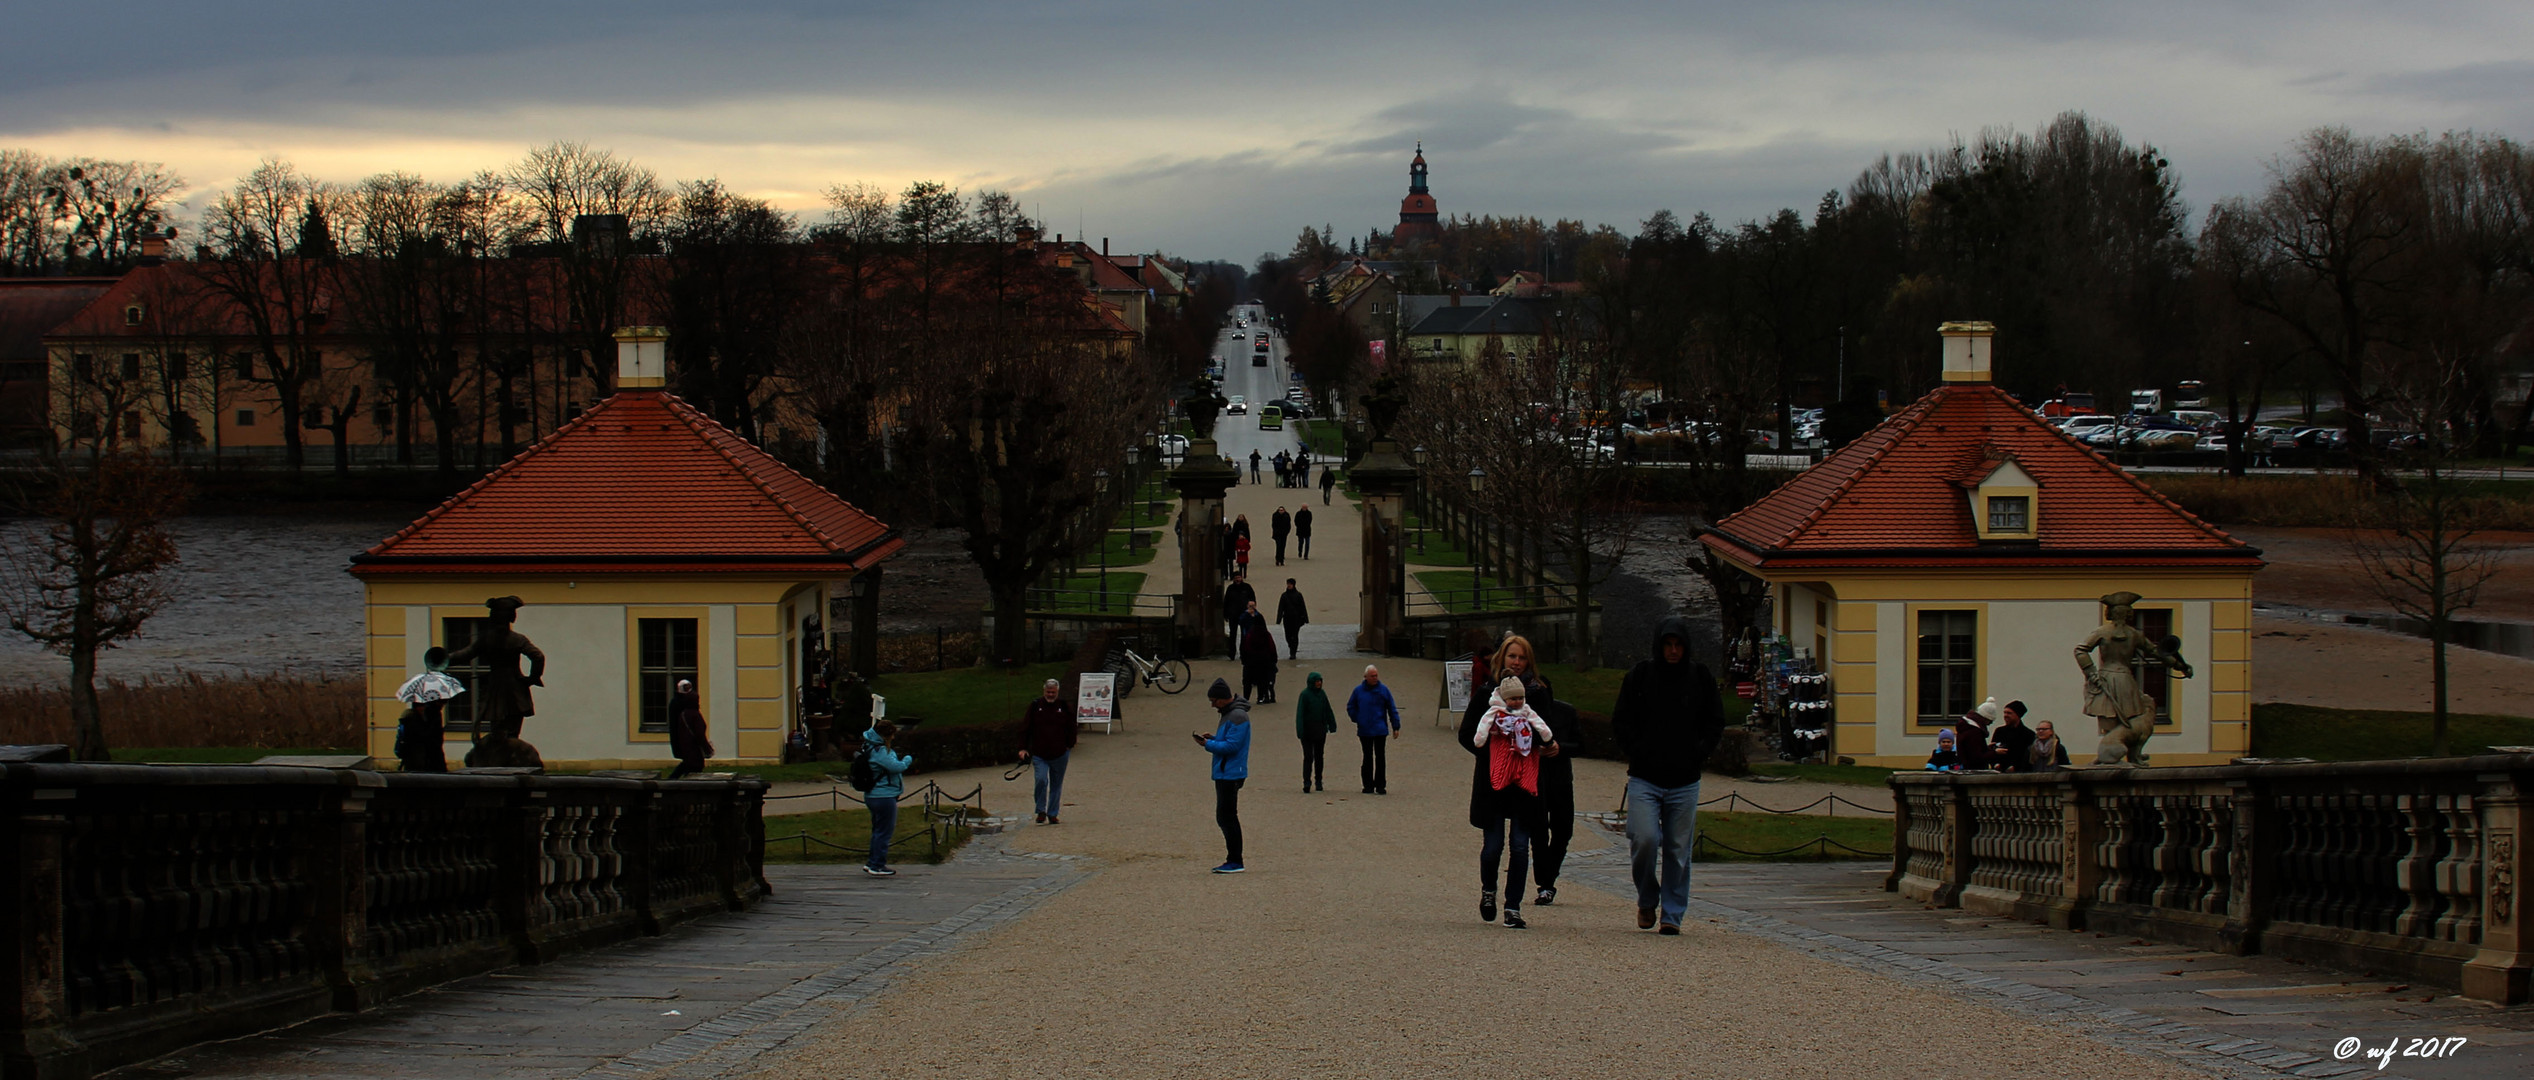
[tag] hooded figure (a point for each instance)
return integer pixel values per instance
(687, 738)
(1313, 721)
(1668, 722)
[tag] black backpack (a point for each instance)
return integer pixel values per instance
(860, 772)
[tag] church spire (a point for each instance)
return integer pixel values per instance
(1418, 218)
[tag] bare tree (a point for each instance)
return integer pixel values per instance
(98, 572)
(272, 261)
(562, 183)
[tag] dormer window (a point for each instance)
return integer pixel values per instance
(2005, 503)
(2010, 513)
(132, 315)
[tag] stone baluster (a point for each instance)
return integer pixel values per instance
(2504, 967)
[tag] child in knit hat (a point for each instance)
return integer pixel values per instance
(1510, 732)
(1944, 759)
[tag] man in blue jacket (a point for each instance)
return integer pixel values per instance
(1230, 747)
(1376, 718)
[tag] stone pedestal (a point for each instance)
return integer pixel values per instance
(1383, 476)
(1201, 479)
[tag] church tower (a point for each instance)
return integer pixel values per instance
(1417, 218)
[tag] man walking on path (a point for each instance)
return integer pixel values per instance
(1328, 483)
(1254, 459)
(1293, 614)
(1230, 748)
(1376, 718)
(1237, 597)
(1302, 532)
(1667, 720)
(1047, 735)
(1279, 526)
(1313, 720)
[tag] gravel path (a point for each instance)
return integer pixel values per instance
(1352, 948)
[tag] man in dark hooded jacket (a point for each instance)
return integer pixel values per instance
(1667, 721)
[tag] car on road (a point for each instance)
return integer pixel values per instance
(1271, 417)
(1258, 360)
(1238, 407)
(1173, 447)
(1239, 334)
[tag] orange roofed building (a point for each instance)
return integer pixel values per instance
(650, 544)
(1960, 551)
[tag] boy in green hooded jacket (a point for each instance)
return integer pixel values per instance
(1313, 720)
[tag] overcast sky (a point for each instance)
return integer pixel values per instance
(1216, 131)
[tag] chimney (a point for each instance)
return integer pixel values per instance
(1966, 351)
(642, 357)
(603, 236)
(153, 248)
(1104, 247)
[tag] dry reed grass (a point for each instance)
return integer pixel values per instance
(280, 711)
(2322, 501)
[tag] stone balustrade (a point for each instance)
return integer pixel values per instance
(153, 907)
(2404, 867)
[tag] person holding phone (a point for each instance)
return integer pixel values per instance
(1229, 746)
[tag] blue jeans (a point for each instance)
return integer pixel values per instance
(883, 827)
(1491, 848)
(1050, 791)
(1662, 822)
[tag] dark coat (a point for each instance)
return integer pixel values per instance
(1668, 719)
(1302, 523)
(1258, 646)
(687, 734)
(1236, 599)
(1291, 611)
(1047, 727)
(2010, 747)
(1280, 525)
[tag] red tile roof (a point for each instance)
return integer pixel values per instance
(640, 483)
(1896, 497)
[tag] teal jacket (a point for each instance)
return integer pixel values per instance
(1313, 719)
(889, 766)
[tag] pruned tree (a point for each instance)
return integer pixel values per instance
(97, 572)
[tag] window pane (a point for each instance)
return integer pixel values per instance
(457, 634)
(2153, 676)
(1947, 664)
(668, 654)
(2009, 513)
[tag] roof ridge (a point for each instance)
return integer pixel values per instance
(499, 471)
(2212, 531)
(712, 430)
(1900, 424)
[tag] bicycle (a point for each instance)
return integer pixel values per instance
(1168, 676)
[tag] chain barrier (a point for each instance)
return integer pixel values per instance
(1820, 844)
(942, 813)
(1735, 797)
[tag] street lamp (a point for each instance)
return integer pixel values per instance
(1100, 487)
(1424, 513)
(1477, 551)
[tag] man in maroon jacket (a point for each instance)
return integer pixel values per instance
(1047, 734)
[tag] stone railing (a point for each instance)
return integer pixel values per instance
(154, 907)
(2406, 867)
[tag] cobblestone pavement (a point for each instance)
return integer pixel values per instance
(692, 1002)
(2237, 1016)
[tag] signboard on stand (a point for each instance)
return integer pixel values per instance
(1456, 687)
(1095, 700)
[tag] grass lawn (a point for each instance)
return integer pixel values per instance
(1594, 691)
(1453, 588)
(1122, 549)
(830, 831)
(2323, 734)
(1861, 775)
(975, 695)
(1773, 834)
(1123, 585)
(213, 755)
(1439, 550)
(1326, 438)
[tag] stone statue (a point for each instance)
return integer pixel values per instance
(1203, 406)
(2121, 709)
(505, 703)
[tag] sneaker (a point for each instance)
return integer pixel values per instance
(1645, 918)
(879, 871)
(1487, 905)
(1548, 895)
(1513, 919)
(1042, 819)
(1054, 820)
(1230, 868)
(1670, 929)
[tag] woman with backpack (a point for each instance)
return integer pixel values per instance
(888, 781)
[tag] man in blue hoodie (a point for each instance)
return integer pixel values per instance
(1376, 717)
(888, 768)
(1230, 747)
(1668, 721)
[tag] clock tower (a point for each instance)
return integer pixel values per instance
(1417, 218)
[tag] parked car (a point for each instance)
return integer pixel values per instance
(1173, 447)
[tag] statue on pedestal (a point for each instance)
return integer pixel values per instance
(505, 703)
(2114, 696)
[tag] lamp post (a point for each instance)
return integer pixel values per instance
(1477, 551)
(1424, 513)
(1100, 489)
